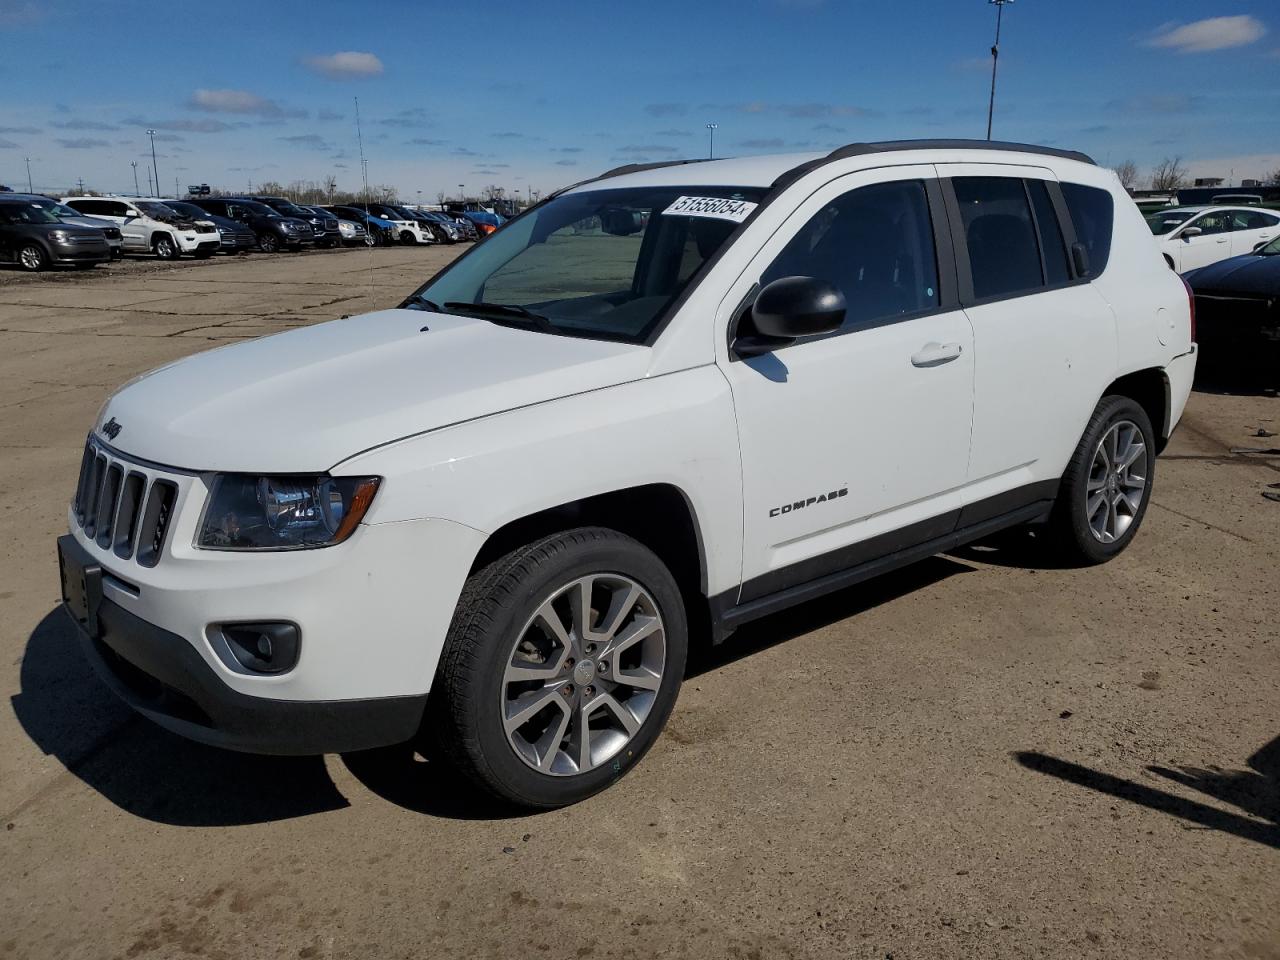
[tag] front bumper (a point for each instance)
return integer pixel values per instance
(203, 243)
(80, 252)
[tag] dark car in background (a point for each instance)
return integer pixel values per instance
(36, 239)
(1238, 308)
(325, 227)
(68, 215)
(466, 229)
(236, 237)
(273, 231)
(444, 227)
(351, 233)
(381, 231)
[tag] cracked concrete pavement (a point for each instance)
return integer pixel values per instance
(981, 756)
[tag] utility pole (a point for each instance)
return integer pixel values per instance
(149, 190)
(154, 168)
(29, 187)
(134, 164)
(80, 185)
(175, 188)
(462, 193)
(711, 128)
(995, 60)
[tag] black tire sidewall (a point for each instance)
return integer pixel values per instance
(499, 767)
(1075, 484)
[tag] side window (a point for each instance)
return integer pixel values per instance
(1252, 220)
(1211, 223)
(1092, 214)
(874, 243)
(127, 210)
(89, 207)
(1004, 258)
(1052, 245)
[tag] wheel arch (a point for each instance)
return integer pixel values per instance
(1149, 388)
(659, 515)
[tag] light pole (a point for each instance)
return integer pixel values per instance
(711, 129)
(134, 164)
(995, 60)
(154, 168)
(29, 188)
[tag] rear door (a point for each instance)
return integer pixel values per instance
(1250, 228)
(1044, 339)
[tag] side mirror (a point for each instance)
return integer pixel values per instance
(787, 309)
(1190, 232)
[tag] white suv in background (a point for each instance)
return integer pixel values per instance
(148, 226)
(1194, 237)
(656, 406)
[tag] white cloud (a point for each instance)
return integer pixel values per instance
(1215, 33)
(239, 101)
(346, 65)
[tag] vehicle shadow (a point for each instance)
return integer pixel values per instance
(71, 715)
(1023, 546)
(1253, 376)
(777, 628)
(1255, 791)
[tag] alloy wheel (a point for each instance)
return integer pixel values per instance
(583, 674)
(31, 258)
(1117, 481)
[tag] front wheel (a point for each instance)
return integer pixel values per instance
(166, 248)
(33, 258)
(268, 242)
(561, 667)
(1107, 484)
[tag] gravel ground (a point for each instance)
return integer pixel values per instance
(980, 756)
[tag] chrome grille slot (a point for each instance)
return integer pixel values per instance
(107, 503)
(155, 521)
(127, 514)
(96, 477)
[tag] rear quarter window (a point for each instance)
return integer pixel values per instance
(1093, 214)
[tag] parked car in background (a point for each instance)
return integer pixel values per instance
(1238, 199)
(236, 237)
(325, 226)
(1238, 308)
(409, 229)
(148, 225)
(351, 233)
(273, 231)
(380, 231)
(1191, 237)
(466, 228)
(36, 239)
(444, 227)
(485, 223)
(68, 215)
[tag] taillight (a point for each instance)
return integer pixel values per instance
(1191, 304)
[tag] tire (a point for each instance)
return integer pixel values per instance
(32, 258)
(503, 624)
(1099, 507)
(407, 238)
(165, 247)
(268, 242)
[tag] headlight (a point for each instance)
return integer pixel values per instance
(283, 513)
(60, 235)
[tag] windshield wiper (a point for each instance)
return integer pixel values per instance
(503, 311)
(423, 303)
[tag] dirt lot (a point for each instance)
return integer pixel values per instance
(977, 757)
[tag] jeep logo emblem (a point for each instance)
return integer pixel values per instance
(111, 428)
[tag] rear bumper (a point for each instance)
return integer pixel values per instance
(160, 675)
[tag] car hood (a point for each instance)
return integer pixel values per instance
(1250, 273)
(305, 400)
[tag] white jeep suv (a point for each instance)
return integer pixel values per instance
(148, 226)
(659, 404)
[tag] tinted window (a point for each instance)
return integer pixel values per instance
(875, 244)
(1252, 220)
(1052, 245)
(1004, 257)
(1092, 212)
(1211, 223)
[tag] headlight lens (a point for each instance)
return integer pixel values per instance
(283, 513)
(59, 234)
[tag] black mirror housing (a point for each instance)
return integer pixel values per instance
(786, 310)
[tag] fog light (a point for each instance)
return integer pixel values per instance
(262, 647)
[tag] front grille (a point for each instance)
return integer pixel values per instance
(86, 241)
(331, 224)
(111, 233)
(123, 507)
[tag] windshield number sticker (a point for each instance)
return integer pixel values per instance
(717, 208)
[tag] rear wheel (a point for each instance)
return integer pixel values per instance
(1107, 484)
(33, 258)
(407, 238)
(561, 667)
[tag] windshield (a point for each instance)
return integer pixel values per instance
(26, 213)
(293, 210)
(187, 210)
(1168, 221)
(160, 211)
(605, 264)
(261, 209)
(1271, 249)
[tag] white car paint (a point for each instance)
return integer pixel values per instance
(139, 230)
(473, 425)
(1224, 231)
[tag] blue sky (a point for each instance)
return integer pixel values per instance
(539, 95)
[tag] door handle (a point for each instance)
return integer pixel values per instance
(935, 354)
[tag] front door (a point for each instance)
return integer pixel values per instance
(1212, 244)
(854, 444)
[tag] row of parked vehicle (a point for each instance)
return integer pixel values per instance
(38, 231)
